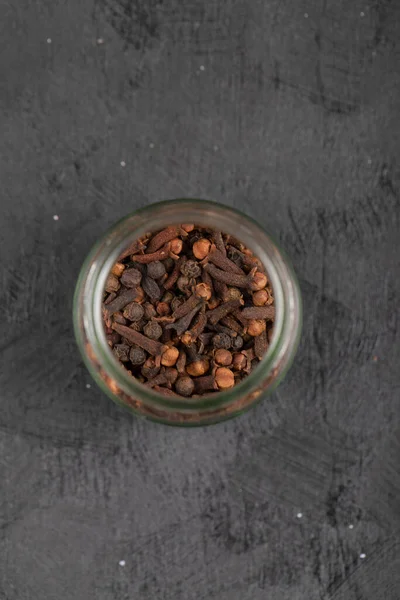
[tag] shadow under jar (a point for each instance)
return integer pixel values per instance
(118, 383)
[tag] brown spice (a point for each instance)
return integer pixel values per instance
(223, 357)
(256, 327)
(181, 304)
(159, 255)
(185, 386)
(201, 248)
(169, 357)
(259, 312)
(151, 346)
(161, 238)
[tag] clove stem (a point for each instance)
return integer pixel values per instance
(151, 346)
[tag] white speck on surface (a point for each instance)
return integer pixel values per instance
(362, 14)
(373, 52)
(363, 555)
(56, 217)
(151, 145)
(369, 161)
(48, 40)
(216, 148)
(299, 515)
(122, 163)
(100, 41)
(202, 68)
(196, 25)
(351, 526)
(88, 386)
(306, 15)
(122, 563)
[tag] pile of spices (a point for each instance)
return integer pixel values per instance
(188, 310)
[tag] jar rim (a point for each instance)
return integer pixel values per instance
(88, 324)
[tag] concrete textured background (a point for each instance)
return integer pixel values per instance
(289, 111)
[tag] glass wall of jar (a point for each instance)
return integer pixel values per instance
(118, 383)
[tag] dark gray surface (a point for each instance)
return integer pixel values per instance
(295, 119)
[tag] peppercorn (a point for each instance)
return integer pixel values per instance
(133, 311)
(137, 355)
(191, 269)
(153, 330)
(237, 342)
(156, 269)
(184, 386)
(131, 277)
(222, 340)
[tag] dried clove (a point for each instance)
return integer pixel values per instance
(260, 344)
(172, 279)
(259, 312)
(223, 310)
(151, 346)
(256, 327)
(148, 258)
(112, 283)
(121, 301)
(151, 288)
(222, 261)
(183, 323)
(201, 248)
(186, 307)
(160, 239)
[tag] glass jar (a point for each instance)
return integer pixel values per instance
(118, 383)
